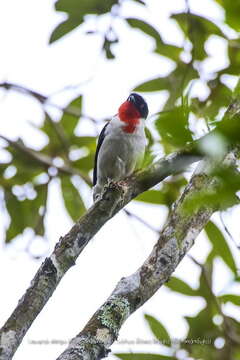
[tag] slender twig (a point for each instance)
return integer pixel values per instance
(149, 226)
(227, 231)
(44, 100)
(45, 160)
(11, 86)
(72, 87)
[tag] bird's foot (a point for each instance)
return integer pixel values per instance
(123, 186)
(120, 185)
(109, 184)
(96, 197)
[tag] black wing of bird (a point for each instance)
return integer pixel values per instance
(100, 141)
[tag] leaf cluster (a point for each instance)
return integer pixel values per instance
(68, 156)
(27, 176)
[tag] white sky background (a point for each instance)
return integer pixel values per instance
(122, 245)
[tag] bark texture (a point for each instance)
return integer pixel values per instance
(176, 238)
(71, 245)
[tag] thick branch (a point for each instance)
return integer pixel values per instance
(175, 240)
(72, 244)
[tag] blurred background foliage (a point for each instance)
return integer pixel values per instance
(183, 118)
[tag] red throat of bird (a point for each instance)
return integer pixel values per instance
(129, 115)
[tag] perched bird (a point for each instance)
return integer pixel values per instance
(121, 144)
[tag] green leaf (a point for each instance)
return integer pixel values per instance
(76, 11)
(17, 223)
(88, 141)
(143, 356)
(157, 84)
(234, 58)
(205, 282)
(76, 8)
(158, 330)
(173, 127)
(219, 197)
(23, 159)
(180, 286)
(236, 91)
(170, 51)
(145, 27)
(72, 199)
(178, 81)
(220, 96)
(107, 46)
(25, 213)
(152, 197)
(64, 28)
(197, 29)
(229, 127)
(85, 163)
(236, 354)
(167, 195)
(201, 326)
(69, 121)
(172, 189)
(206, 26)
(175, 83)
(220, 245)
(235, 299)
(56, 137)
(150, 138)
(231, 12)
(162, 48)
(27, 169)
(202, 334)
(40, 201)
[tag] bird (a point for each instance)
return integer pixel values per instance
(121, 144)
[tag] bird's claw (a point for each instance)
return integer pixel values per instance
(120, 184)
(110, 183)
(123, 185)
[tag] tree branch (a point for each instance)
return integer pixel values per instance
(176, 238)
(134, 216)
(72, 244)
(44, 100)
(45, 160)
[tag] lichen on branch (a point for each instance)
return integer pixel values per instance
(175, 240)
